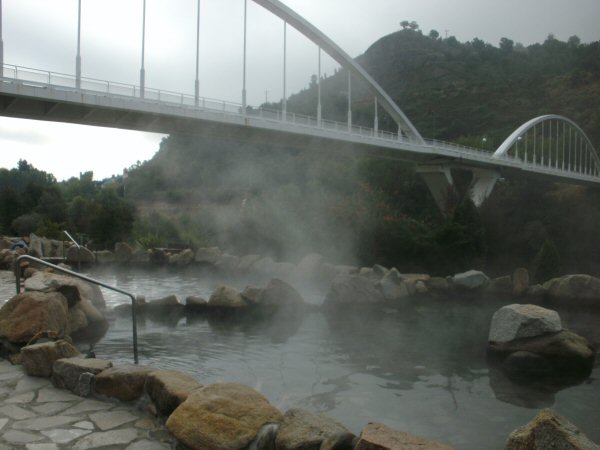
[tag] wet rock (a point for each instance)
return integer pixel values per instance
(195, 303)
(67, 372)
(500, 286)
(105, 257)
(125, 383)
(29, 313)
(169, 388)
(208, 256)
(471, 280)
(376, 436)
(352, 290)
(38, 359)
(303, 430)
(47, 281)
(251, 294)
(226, 297)
(548, 430)
(561, 353)
(79, 254)
(123, 252)
(265, 439)
(521, 321)
(279, 295)
(225, 416)
(520, 281)
(576, 288)
(339, 441)
(165, 302)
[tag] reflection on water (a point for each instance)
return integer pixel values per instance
(421, 370)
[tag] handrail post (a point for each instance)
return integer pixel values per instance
(17, 270)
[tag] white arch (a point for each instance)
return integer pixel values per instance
(312, 33)
(510, 141)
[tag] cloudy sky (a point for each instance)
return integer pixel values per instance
(43, 34)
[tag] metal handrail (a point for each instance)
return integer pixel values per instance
(18, 274)
(78, 249)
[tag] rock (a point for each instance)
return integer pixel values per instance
(577, 288)
(35, 246)
(521, 321)
(303, 430)
(194, 303)
(125, 383)
(185, 257)
(339, 441)
(376, 436)
(421, 288)
(123, 252)
(562, 353)
(548, 430)
(37, 359)
(141, 257)
(169, 388)
(225, 416)
(67, 372)
(282, 270)
(379, 271)
(367, 272)
(501, 286)
(393, 287)
(251, 294)
(520, 281)
(158, 257)
(263, 265)
(79, 254)
(308, 269)
(246, 262)
(228, 263)
(279, 294)
(208, 256)
(105, 257)
(226, 297)
(471, 280)
(536, 291)
(29, 313)
(352, 290)
(47, 281)
(265, 438)
(47, 248)
(165, 302)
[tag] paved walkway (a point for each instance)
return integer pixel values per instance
(34, 415)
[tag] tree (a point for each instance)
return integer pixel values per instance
(507, 45)
(434, 34)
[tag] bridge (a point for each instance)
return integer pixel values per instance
(549, 146)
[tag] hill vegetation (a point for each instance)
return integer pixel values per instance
(271, 199)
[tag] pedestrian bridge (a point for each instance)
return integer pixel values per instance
(550, 146)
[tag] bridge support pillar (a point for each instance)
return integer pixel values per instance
(440, 183)
(482, 184)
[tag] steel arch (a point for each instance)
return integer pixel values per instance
(333, 50)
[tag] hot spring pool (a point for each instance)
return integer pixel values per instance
(422, 370)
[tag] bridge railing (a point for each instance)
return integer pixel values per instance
(66, 81)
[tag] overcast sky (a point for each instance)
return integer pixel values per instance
(43, 34)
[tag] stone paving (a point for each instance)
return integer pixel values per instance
(34, 415)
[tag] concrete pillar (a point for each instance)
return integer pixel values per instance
(440, 183)
(482, 184)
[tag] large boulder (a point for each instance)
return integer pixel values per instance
(577, 288)
(38, 359)
(225, 416)
(169, 388)
(548, 430)
(123, 252)
(30, 313)
(67, 372)
(303, 430)
(522, 321)
(246, 262)
(279, 295)
(376, 436)
(353, 290)
(225, 297)
(125, 383)
(471, 280)
(48, 281)
(208, 256)
(80, 255)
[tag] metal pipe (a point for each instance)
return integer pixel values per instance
(197, 82)
(319, 113)
(376, 118)
(18, 274)
(1, 44)
(78, 57)
(244, 63)
(143, 70)
(284, 104)
(349, 101)
(78, 249)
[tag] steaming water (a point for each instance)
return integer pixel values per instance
(421, 370)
